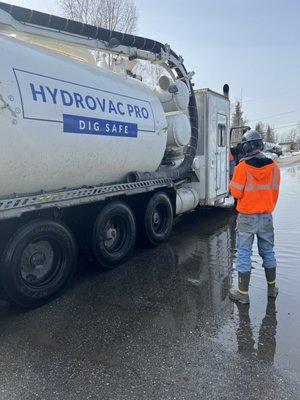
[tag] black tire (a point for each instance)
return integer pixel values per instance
(114, 235)
(38, 263)
(158, 219)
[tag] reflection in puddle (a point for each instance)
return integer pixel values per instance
(266, 346)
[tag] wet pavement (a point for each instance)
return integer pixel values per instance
(161, 326)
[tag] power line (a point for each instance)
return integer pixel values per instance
(287, 126)
(288, 123)
(272, 96)
(274, 115)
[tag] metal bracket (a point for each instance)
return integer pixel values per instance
(163, 57)
(190, 75)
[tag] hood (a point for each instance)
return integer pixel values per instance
(260, 173)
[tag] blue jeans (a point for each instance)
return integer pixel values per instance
(249, 225)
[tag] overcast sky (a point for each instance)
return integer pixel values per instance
(252, 45)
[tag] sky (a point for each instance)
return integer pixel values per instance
(254, 46)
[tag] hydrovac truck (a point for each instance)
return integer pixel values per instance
(91, 157)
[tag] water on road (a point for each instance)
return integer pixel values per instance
(162, 327)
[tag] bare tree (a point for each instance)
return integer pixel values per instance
(293, 137)
(114, 15)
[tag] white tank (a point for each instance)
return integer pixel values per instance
(179, 130)
(65, 123)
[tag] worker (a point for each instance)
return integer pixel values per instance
(255, 185)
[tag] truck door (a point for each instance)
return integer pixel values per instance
(222, 155)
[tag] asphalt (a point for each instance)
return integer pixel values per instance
(160, 326)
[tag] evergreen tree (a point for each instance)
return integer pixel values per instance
(260, 127)
(236, 121)
(270, 135)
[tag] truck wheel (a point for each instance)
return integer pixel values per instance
(158, 220)
(114, 235)
(38, 263)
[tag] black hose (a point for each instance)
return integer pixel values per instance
(78, 28)
(26, 15)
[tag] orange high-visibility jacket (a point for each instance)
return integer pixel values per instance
(256, 189)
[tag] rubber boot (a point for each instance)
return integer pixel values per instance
(241, 294)
(271, 280)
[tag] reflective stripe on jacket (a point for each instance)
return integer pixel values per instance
(255, 188)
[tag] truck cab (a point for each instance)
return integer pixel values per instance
(213, 146)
